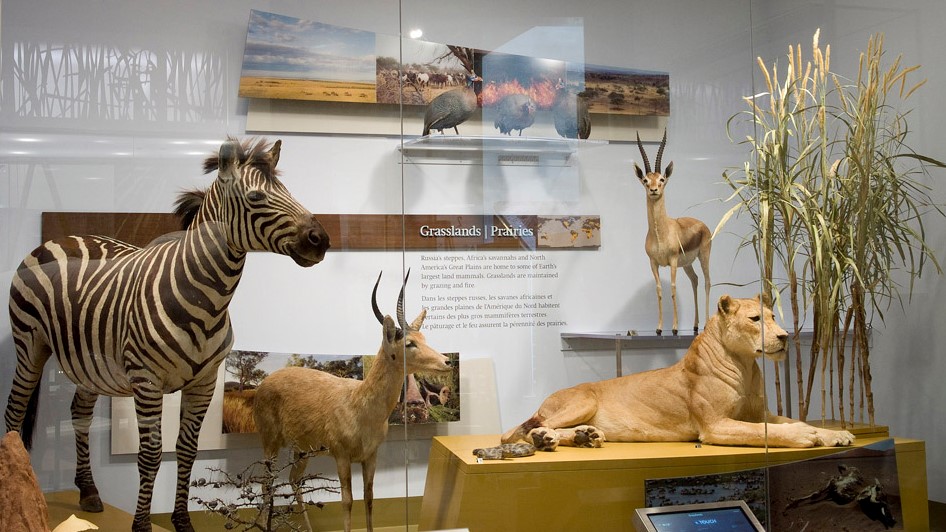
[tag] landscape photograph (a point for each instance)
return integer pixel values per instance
(291, 58)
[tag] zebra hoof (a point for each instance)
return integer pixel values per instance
(182, 522)
(659, 332)
(89, 500)
(141, 524)
(675, 332)
(696, 331)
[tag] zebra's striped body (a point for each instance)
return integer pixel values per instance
(143, 322)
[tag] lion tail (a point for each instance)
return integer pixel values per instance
(520, 432)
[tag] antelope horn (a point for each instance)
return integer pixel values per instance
(644, 154)
(401, 321)
(660, 152)
(374, 301)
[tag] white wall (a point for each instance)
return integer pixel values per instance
(122, 160)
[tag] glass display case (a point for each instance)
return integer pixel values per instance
(520, 226)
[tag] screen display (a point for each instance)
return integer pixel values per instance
(729, 519)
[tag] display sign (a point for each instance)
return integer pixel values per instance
(731, 516)
(447, 232)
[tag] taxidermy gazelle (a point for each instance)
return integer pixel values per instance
(673, 242)
(313, 411)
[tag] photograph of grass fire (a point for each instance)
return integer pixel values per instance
(425, 398)
(291, 58)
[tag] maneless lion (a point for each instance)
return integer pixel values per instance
(714, 395)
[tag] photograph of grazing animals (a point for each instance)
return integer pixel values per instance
(312, 411)
(673, 242)
(715, 394)
(125, 321)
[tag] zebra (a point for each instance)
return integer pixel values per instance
(143, 322)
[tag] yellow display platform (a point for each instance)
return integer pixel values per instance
(599, 489)
(62, 504)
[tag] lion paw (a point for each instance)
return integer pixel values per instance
(835, 438)
(588, 436)
(544, 439)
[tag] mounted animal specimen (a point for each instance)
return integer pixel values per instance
(570, 113)
(452, 108)
(312, 411)
(126, 321)
(715, 394)
(673, 242)
(514, 111)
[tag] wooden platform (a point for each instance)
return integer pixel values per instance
(598, 489)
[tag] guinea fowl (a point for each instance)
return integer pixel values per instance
(514, 111)
(570, 113)
(451, 108)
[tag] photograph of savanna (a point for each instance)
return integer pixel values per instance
(626, 91)
(291, 58)
(424, 399)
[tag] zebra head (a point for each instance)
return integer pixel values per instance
(254, 206)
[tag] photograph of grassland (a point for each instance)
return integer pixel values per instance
(291, 58)
(307, 89)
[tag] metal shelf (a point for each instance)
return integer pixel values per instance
(495, 150)
(617, 341)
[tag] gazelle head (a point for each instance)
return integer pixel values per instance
(404, 343)
(653, 180)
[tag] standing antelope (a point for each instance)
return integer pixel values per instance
(313, 411)
(142, 322)
(672, 242)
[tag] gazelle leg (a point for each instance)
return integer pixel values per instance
(344, 479)
(300, 459)
(704, 264)
(673, 293)
(696, 302)
(83, 403)
(660, 306)
(367, 476)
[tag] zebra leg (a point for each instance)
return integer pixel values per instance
(194, 403)
(23, 402)
(148, 404)
(83, 403)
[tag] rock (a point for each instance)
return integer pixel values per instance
(22, 504)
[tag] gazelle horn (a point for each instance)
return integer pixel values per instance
(644, 155)
(401, 321)
(374, 301)
(660, 152)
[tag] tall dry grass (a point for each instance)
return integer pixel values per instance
(837, 201)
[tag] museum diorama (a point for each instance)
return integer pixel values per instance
(198, 202)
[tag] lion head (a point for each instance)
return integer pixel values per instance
(747, 327)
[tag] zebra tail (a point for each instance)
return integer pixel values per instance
(28, 427)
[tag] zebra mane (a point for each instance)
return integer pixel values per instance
(187, 205)
(252, 152)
